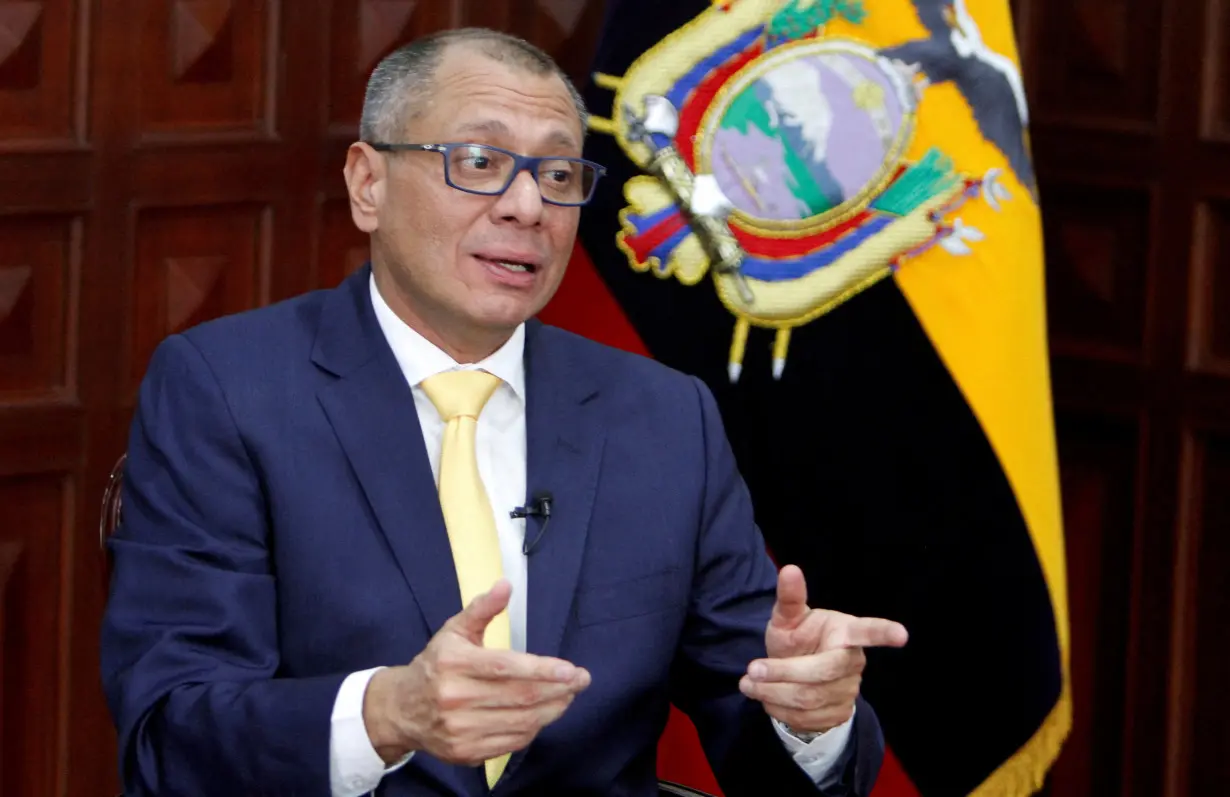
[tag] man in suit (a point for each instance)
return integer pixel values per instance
(321, 582)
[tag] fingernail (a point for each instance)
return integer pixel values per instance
(564, 673)
(758, 671)
(745, 685)
(585, 679)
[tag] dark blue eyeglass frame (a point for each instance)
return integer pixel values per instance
(520, 163)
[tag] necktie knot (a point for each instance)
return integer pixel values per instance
(460, 393)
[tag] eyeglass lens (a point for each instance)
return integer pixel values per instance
(485, 170)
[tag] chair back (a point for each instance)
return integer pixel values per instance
(112, 503)
(109, 516)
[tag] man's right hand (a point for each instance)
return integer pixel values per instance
(463, 703)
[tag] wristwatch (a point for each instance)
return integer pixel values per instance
(806, 737)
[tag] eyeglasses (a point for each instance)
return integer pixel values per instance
(483, 169)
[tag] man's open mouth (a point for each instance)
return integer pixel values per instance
(519, 266)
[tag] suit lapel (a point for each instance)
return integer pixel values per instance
(564, 442)
(565, 439)
(371, 409)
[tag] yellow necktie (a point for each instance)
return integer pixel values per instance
(459, 397)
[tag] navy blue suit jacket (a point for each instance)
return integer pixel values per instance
(281, 530)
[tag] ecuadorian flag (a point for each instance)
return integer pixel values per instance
(826, 209)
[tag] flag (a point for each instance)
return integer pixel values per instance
(826, 210)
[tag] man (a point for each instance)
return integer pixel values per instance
(322, 584)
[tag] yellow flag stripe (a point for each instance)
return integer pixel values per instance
(985, 314)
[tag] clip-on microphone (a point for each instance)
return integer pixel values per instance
(539, 507)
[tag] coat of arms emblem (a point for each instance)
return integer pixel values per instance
(781, 159)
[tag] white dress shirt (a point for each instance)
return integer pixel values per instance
(354, 766)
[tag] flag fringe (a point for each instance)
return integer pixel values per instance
(1025, 772)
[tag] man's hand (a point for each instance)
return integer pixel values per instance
(815, 661)
(464, 703)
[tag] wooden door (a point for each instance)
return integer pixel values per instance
(162, 162)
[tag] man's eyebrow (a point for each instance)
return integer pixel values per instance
(562, 139)
(557, 138)
(493, 126)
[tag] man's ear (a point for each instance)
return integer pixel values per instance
(365, 174)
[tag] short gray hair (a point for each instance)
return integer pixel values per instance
(400, 82)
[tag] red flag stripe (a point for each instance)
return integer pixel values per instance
(584, 305)
(893, 782)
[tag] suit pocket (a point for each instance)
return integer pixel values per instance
(633, 597)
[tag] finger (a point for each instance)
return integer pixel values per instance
(831, 665)
(508, 730)
(503, 742)
(806, 636)
(473, 619)
(471, 737)
(803, 697)
(547, 713)
(474, 735)
(866, 632)
(521, 694)
(473, 752)
(496, 746)
(791, 605)
(510, 665)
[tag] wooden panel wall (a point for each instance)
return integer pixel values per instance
(167, 161)
(1131, 134)
(162, 162)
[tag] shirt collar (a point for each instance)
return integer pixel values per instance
(419, 358)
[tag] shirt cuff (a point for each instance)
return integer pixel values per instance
(819, 757)
(355, 768)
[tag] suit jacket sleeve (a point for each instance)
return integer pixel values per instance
(733, 595)
(190, 661)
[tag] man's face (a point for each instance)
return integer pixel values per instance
(447, 251)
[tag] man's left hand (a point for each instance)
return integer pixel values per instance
(815, 662)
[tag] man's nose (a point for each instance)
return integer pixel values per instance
(522, 202)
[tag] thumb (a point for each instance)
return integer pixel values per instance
(791, 605)
(473, 619)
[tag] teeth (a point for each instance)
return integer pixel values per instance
(513, 266)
